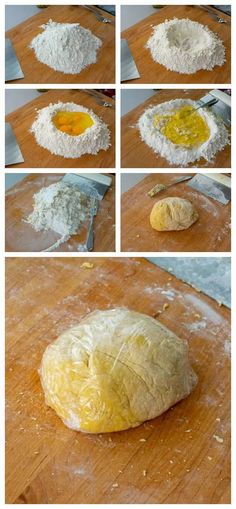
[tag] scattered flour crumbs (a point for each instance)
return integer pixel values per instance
(61, 208)
(93, 139)
(185, 46)
(66, 47)
(175, 153)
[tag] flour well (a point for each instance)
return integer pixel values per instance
(60, 208)
(177, 154)
(66, 47)
(185, 46)
(91, 141)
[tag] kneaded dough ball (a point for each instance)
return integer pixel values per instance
(115, 370)
(172, 214)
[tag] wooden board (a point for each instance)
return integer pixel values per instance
(48, 463)
(210, 233)
(152, 72)
(36, 72)
(20, 236)
(35, 156)
(136, 154)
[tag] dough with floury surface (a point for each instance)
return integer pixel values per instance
(173, 213)
(114, 370)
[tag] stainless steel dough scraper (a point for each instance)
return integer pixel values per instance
(215, 185)
(13, 69)
(222, 107)
(128, 66)
(13, 153)
(94, 185)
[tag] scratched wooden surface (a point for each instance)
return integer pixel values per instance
(187, 450)
(210, 233)
(20, 236)
(103, 71)
(152, 72)
(35, 156)
(135, 153)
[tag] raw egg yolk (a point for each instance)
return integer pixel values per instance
(185, 126)
(73, 123)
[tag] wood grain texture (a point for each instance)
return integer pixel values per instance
(103, 71)
(152, 72)
(35, 156)
(210, 233)
(20, 236)
(48, 463)
(136, 154)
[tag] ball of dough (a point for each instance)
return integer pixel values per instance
(172, 214)
(115, 370)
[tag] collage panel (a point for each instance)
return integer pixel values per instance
(60, 212)
(45, 132)
(170, 445)
(177, 44)
(176, 212)
(60, 44)
(170, 128)
(117, 253)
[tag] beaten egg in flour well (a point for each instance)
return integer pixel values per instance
(73, 123)
(185, 126)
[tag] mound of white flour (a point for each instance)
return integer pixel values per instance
(93, 139)
(66, 47)
(185, 46)
(176, 154)
(60, 208)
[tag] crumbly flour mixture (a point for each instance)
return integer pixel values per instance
(66, 47)
(182, 153)
(61, 208)
(91, 141)
(185, 46)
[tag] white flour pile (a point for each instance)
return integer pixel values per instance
(93, 139)
(185, 46)
(66, 47)
(61, 208)
(178, 154)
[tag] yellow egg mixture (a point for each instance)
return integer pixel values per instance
(73, 123)
(183, 127)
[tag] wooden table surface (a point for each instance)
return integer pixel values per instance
(135, 153)
(103, 71)
(210, 233)
(49, 463)
(35, 156)
(152, 72)
(20, 236)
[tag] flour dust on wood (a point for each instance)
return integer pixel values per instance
(185, 46)
(66, 47)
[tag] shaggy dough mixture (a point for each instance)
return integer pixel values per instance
(115, 370)
(172, 213)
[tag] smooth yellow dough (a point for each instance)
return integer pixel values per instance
(115, 370)
(185, 126)
(172, 213)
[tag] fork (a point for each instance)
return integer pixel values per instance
(97, 14)
(99, 100)
(214, 15)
